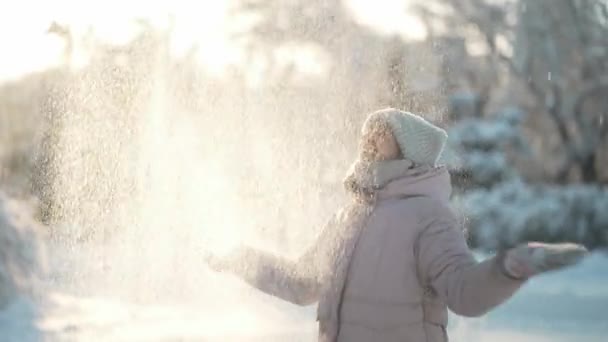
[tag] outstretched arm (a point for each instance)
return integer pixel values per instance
(468, 287)
(297, 281)
(472, 288)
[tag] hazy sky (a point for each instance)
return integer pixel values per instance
(28, 48)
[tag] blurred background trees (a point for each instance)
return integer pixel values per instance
(520, 85)
(550, 58)
(537, 143)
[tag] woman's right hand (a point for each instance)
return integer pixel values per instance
(532, 258)
(231, 262)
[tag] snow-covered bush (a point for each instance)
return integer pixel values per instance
(21, 252)
(487, 168)
(514, 211)
(500, 208)
(487, 134)
(477, 148)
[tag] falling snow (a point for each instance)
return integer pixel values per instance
(162, 139)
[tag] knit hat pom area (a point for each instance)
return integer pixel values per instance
(419, 140)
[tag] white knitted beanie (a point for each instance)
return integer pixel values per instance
(419, 140)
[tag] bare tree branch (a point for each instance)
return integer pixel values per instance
(553, 104)
(592, 135)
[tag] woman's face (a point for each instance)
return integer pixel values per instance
(378, 143)
(387, 147)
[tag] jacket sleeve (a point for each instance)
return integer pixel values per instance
(297, 281)
(446, 264)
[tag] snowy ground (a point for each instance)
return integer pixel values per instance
(565, 306)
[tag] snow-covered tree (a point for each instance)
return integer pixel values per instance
(551, 57)
(477, 151)
(515, 211)
(501, 208)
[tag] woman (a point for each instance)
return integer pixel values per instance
(388, 266)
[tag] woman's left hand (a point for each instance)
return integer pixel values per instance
(532, 258)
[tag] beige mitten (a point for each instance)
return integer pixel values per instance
(532, 258)
(231, 262)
